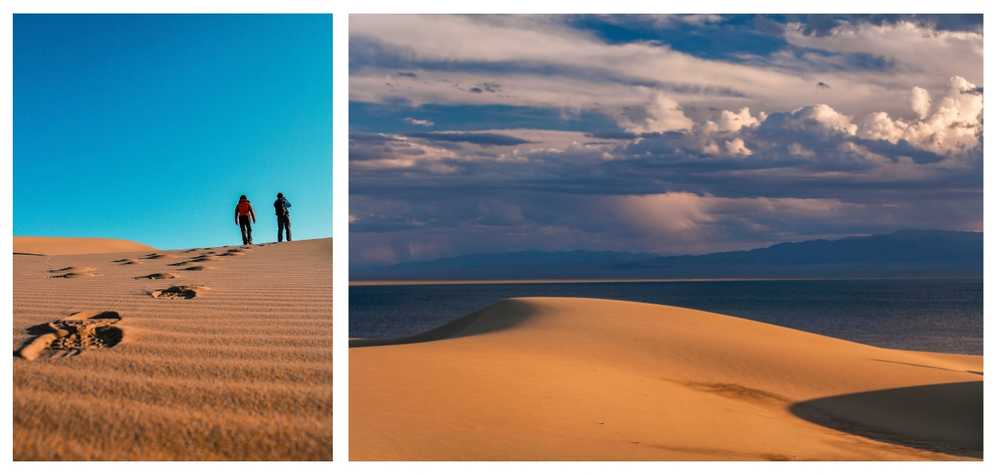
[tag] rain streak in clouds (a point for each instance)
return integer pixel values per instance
(675, 134)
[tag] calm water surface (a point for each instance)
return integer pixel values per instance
(931, 315)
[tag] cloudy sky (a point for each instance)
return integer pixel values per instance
(668, 134)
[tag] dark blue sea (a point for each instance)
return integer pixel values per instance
(929, 315)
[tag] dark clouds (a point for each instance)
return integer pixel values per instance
(470, 137)
(830, 184)
(435, 171)
(785, 163)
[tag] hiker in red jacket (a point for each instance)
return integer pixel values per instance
(243, 216)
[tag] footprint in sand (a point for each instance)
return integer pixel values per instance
(233, 252)
(72, 272)
(201, 258)
(125, 261)
(204, 250)
(73, 335)
(186, 292)
(157, 276)
(154, 255)
(73, 275)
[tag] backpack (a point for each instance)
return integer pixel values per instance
(281, 207)
(243, 208)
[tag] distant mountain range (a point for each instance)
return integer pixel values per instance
(898, 254)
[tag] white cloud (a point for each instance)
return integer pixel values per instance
(420, 122)
(822, 115)
(446, 87)
(737, 147)
(551, 141)
(613, 69)
(705, 138)
(883, 100)
(920, 102)
(954, 126)
(397, 152)
(734, 121)
(922, 52)
(662, 114)
(666, 21)
(703, 19)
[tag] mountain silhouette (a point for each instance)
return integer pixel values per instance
(898, 254)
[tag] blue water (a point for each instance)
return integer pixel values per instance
(930, 315)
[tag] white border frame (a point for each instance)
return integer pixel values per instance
(340, 10)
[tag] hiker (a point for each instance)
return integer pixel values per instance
(281, 206)
(243, 216)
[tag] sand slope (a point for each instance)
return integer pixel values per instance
(582, 379)
(58, 246)
(234, 363)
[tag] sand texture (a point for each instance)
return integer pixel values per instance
(57, 246)
(587, 379)
(122, 356)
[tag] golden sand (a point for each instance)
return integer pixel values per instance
(133, 358)
(55, 246)
(587, 379)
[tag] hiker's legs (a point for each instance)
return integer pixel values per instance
(281, 226)
(285, 222)
(245, 230)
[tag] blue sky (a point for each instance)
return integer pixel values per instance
(150, 127)
(672, 134)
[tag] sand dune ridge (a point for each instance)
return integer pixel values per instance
(562, 378)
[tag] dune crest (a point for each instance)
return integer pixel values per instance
(63, 246)
(585, 379)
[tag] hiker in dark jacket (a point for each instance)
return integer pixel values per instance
(281, 206)
(243, 215)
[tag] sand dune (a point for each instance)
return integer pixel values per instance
(58, 246)
(233, 362)
(586, 379)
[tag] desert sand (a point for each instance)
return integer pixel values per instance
(586, 379)
(59, 246)
(194, 354)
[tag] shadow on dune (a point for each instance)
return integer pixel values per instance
(499, 316)
(980, 373)
(945, 418)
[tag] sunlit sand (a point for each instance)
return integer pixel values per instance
(192, 354)
(586, 379)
